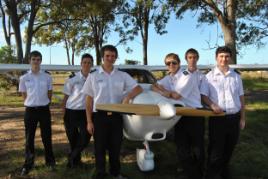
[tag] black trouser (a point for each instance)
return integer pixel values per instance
(75, 122)
(189, 138)
(108, 135)
(32, 116)
(223, 136)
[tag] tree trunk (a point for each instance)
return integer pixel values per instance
(229, 40)
(34, 9)
(15, 22)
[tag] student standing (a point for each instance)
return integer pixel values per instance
(223, 92)
(184, 85)
(36, 89)
(74, 104)
(107, 85)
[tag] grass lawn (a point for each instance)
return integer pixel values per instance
(249, 160)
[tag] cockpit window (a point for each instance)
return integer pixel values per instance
(140, 75)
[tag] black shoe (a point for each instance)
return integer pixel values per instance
(24, 171)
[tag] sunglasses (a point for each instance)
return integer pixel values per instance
(172, 62)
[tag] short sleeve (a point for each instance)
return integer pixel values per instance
(165, 83)
(241, 90)
(204, 87)
(50, 85)
(130, 83)
(67, 89)
(88, 86)
(22, 86)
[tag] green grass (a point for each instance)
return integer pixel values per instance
(255, 83)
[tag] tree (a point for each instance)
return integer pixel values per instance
(19, 12)
(78, 30)
(137, 17)
(232, 16)
(6, 24)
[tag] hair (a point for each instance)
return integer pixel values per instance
(193, 51)
(35, 53)
(87, 55)
(174, 56)
(109, 48)
(223, 49)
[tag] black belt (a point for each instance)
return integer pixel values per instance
(37, 107)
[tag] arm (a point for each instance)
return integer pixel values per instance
(63, 103)
(89, 107)
(243, 116)
(24, 95)
(161, 90)
(49, 95)
(215, 107)
(134, 92)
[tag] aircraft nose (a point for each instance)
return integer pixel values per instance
(166, 110)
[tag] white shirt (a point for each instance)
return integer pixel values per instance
(107, 88)
(187, 85)
(36, 87)
(73, 88)
(224, 90)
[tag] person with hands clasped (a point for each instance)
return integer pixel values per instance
(223, 92)
(107, 85)
(74, 106)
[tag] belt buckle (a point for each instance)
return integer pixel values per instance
(109, 113)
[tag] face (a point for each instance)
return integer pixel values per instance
(109, 57)
(192, 59)
(172, 65)
(86, 64)
(35, 61)
(223, 59)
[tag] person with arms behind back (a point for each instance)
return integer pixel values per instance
(75, 119)
(36, 89)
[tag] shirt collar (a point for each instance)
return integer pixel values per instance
(101, 70)
(31, 72)
(81, 76)
(218, 72)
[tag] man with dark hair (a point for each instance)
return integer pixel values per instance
(74, 106)
(108, 85)
(223, 92)
(36, 89)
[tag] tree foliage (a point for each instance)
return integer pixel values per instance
(243, 22)
(137, 17)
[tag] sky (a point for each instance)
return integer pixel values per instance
(182, 35)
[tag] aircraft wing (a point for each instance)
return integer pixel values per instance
(152, 110)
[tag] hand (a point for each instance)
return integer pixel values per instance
(242, 122)
(215, 108)
(175, 95)
(126, 100)
(166, 94)
(90, 127)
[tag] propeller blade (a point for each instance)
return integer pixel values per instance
(153, 110)
(137, 109)
(186, 111)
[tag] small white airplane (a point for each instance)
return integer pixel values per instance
(150, 116)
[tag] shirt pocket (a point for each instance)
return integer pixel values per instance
(29, 86)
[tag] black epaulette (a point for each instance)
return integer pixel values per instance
(72, 74)
(238, 72)
(92, 71)
(47, 72)
(207, 70)
(185, 72)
